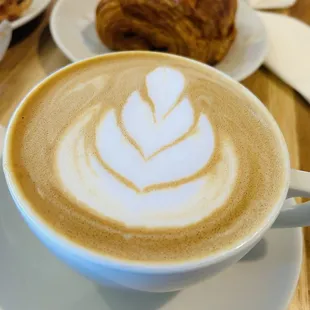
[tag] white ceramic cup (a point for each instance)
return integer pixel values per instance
(169, 277)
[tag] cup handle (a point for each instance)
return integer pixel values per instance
(297, 215)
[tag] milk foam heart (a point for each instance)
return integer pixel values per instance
(153, 158)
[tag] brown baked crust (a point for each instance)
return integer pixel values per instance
(13, 9)
(199, 29)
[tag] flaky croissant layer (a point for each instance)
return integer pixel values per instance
(199, 29)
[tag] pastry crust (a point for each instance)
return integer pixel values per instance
(199, 29)
(13, 9)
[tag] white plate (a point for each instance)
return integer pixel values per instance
(36, 7)
(73, 29)
(31, 278)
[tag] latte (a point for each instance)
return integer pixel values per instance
(145, 157)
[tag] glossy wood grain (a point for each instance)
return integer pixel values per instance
(33, 55)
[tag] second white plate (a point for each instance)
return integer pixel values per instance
(36, 7)
(73, 29)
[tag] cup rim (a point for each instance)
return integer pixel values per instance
(145, 267)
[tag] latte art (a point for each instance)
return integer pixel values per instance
(145, 157)
(153, 155)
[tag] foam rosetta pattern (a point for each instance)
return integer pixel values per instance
(152, 154)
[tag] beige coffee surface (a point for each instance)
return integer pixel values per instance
(245, 152)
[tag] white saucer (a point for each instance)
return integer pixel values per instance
(31, 278)
(73, 29)
(36, 7)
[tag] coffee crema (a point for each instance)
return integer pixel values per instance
(145, 157)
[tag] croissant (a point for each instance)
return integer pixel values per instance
(199, 29)
(13, 9)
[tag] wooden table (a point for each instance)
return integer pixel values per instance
(33, 55)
